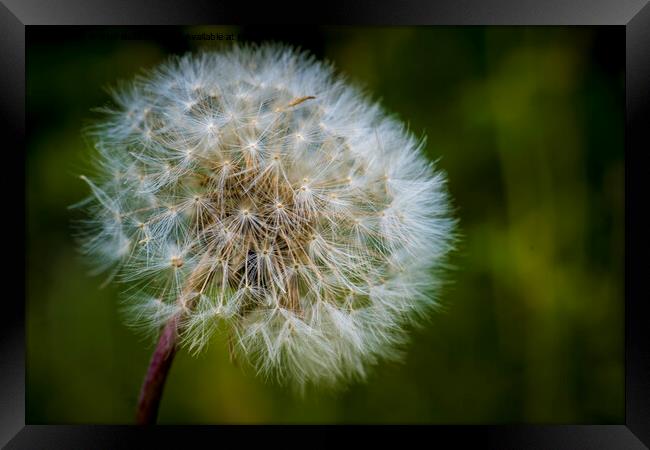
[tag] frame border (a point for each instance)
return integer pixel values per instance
(633, 14)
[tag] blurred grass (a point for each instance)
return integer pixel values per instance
(527, 122)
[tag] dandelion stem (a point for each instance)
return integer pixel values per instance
(154, 381)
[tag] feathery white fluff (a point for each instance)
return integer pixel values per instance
(255, 187)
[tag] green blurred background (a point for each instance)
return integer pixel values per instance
(528, 122)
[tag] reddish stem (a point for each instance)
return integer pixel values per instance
(154, 382)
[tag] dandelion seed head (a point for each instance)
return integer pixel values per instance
(255, 187)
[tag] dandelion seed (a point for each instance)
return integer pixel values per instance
(315, 233)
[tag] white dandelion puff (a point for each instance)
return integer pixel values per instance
(257, 189)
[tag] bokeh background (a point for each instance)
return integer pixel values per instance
(528, 122)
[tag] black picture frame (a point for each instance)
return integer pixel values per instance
(634, 15)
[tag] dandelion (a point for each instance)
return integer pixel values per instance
(257, 189)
